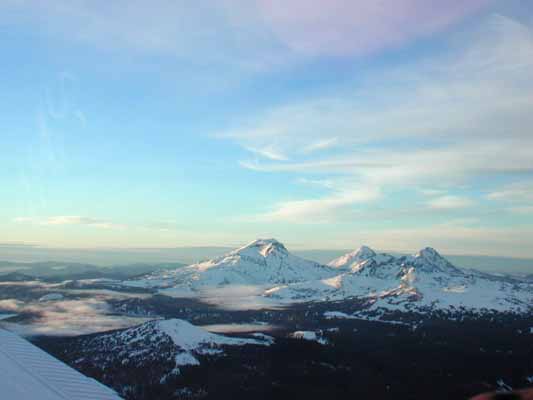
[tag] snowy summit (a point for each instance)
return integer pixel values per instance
(422, 282)
(261, 262)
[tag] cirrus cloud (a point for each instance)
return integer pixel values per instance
(344, 27)
(70, 220)
(514, 192)
(450, 202)
(321, 210)
(447, 121)
(250, 33)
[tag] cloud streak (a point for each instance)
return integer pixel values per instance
(228, 32)
(515, 192)
(70, 220)
(449, 120)
(322, 210)
(452, 96)
(252, 33)
(343, 27)
(450, 203)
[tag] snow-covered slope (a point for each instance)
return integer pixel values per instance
(425, 281)
(262, 262)
(348, 260)
(271, 275)
(170, 344)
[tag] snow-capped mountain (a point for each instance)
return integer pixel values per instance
(262, 262)
(272, 275)
(424, 281)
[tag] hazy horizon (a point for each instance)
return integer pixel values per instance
(190, 255)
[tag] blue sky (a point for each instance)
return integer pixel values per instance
(325, 124)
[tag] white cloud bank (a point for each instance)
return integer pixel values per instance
(68, 317)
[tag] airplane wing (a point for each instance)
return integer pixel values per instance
(27, 373)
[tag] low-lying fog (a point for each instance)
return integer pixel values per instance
(55, 311)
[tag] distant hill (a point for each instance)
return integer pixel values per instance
(61, 270)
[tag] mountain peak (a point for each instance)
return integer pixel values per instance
(428, 259)
(264, 247)
(364, 252)
(428, 252)
(345, 261)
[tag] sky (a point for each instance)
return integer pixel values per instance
(325, 124)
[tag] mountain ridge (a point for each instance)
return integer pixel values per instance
(425, 280)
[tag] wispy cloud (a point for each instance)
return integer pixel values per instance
(450, 202)
(517, 197)
(321, 210)
(269, 152)
(251, 33)
(447, 120)
(320, 145)
(342, 27)
(515, 192)
(226, 32)
(432, 192)
(168, 226)
(70, 220)
(451, 97)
